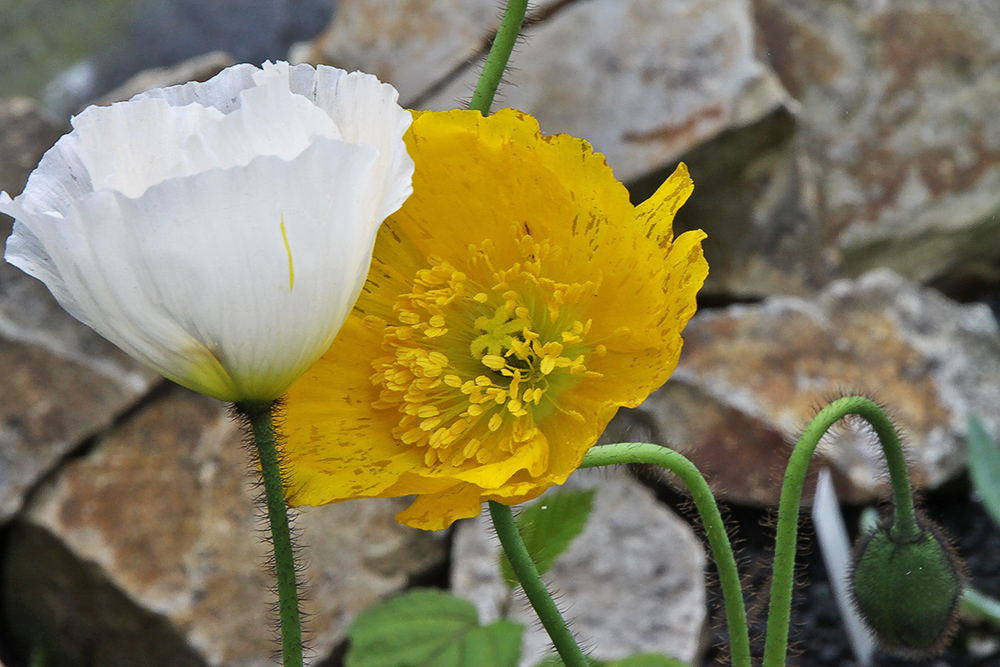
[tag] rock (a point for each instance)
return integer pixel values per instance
(62, 382)
(633, 582)
(755, 198)
(125, 38)
(200, 68)
(149, 551)
(411, 48)
(751, 377)
(650, 81)
(898, 108)
(25, 134)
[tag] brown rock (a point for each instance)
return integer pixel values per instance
(62, 382)
(25, 134)
(751, 377)
(149, 550)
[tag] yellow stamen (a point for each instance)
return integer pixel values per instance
(476, 393)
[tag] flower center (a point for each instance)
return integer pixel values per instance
(476, 360)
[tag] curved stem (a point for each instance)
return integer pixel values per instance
(262, 427)
(715, 530)
(534, 589)
(496, 61)
(904, 526)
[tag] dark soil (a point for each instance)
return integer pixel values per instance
(817, 636)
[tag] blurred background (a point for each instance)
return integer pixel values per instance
(846, 159)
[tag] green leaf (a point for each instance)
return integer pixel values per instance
(548, 526)
(984, 464)
(430, 628)
(641, 660)
(646, 660)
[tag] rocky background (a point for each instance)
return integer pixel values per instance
(846, 156)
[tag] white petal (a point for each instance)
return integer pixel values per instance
(132, 145)
(366, 112)
(270, 121)
(194, 278)
(221, 91)
(221, 231)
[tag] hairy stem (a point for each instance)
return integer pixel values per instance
(534, 589)
(496, 61)
(904, 528)
(715, 530)
(262, 427)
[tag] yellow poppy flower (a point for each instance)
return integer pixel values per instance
(514, 303)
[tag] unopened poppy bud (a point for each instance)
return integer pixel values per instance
(907, 589)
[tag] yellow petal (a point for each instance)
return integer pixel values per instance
(503, 223)
(435, 511)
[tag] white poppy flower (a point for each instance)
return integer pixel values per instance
(219, 232)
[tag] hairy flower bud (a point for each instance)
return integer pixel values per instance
(907, 589)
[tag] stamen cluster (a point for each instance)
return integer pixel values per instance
(479, 357)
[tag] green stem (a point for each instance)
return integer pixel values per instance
(904, 526)
(531, 582)
(496, 61)
(262, 426)
(715, 530)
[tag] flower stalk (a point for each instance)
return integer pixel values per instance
(496, 61)
(260, 416)
(503, 519)
(534, 589)
(711, 519)
(904, 528)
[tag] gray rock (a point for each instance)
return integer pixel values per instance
(755, 198)
(643, 80)
(633, 582)
(899, 101)
(412, 49)
(149, 551)
(751, 377)
(200, 68)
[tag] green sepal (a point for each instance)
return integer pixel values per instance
(430, 628)
(908, 590)
(548, 526)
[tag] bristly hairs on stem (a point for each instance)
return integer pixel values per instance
(260, 422)
(916, 551)
(641, 452)
(499, 56)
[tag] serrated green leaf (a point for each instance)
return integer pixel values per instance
(548, 526)
(430, 628)
(641, 660)
(984, 465)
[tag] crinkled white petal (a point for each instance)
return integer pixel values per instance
(195, 278)
(366, 112)
(221, 231)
